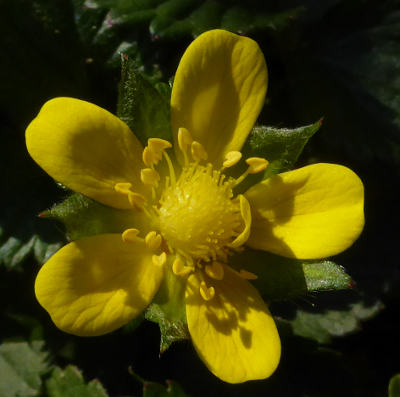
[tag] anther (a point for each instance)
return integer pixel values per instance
(198, 152)
(207, 293)
(149, 176)
(256, 164)
(158, 144)
(153, 240)
(247, 275)
(179, 268)
(152, 153)
(136, 200)
(123, 187)
(231, 158)
(130, 235)
(215, 270)
(147, 157)
(245, 212)
(159, 260)
(184, 139)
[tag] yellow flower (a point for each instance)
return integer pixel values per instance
(186, 220)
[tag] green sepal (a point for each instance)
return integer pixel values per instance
(70, 383)
(394, 386)
(280, 146)
(323, 326)
(282, 278)
(142, 106)
(168, 310)
(83, 217)
(21, 367)
(171, 331)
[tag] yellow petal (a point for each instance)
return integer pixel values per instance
(218, 91)
(87, 149)
(95, 285)
(309, 213)
(233, 332)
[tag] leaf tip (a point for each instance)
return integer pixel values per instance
(45, 214)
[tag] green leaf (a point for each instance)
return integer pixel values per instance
(14, 251)
(84, 217)
(321, 327)
(326, 276)
(141, 106)
(282, 278)
(153, 389)
(21, 368)
(70, 383)
(394, 386)
(178, 18)
(240, 19)
(173, 389)
(358, 68)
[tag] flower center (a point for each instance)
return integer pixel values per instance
(198, 215)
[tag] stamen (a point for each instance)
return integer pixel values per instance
(158, 144)
(231, 158)
(184, 140)
(130, 235)
(153, 240)
(136, 200)
(247, 275)
(245, 212)
(159, 260)
(147, 157)
(198, 152)
(215, 270)
(170, 169)
(152, 153)
(149, 176)
(123, 187)
(256, 164)
(179, 268)
(207, 293)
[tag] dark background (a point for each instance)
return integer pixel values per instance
(337, 59)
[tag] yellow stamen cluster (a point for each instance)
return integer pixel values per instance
(198, 220)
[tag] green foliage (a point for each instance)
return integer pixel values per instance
(14, 251)
(141, 106)
(336, 58)
(174, 18)
(394, 386)
(282, 278)
(152, 389)
(321, 327)
(21, 367)
(70, 383)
